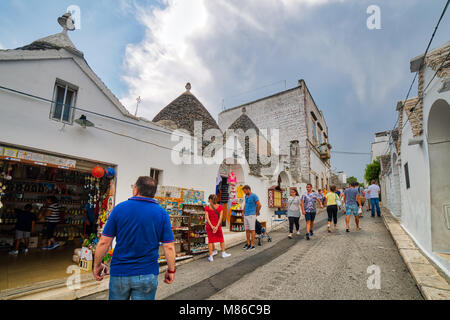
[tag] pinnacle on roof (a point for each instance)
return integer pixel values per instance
(56, 41)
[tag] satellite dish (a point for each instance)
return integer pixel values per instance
(66, 22)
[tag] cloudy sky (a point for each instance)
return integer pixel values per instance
(234, 51)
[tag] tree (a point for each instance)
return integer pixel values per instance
(373, 171)
(352, 179)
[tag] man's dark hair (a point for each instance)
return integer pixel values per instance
(354, 184)
(333, 188)
(247, 187)
(52, 199)
(28, 207)
(309, 184)
(146, 186)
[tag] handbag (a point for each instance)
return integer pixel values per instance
(338, 202)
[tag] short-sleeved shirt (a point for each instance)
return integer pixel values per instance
(55, 210)
(139, 226)
(293, 207)
(350, 196)
(250, 204)
(373, 191)
(331, 199)
(310, 201)
(24, 220)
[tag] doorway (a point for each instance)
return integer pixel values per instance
(439, 154)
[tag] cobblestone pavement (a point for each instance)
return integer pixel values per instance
(330, 266)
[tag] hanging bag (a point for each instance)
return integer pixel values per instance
(338, 202)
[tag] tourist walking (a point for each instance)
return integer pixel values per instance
(294, 212)
(139, 225)
(214, 215)
(308, 203)
(252, 206)
(361, 197)
(367, 196)
(374, 193)
(331, 200)
(352, 204)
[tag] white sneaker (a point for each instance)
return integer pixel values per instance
(210, 259)
(290, 236)
(214, 252)
(25, 250)
(14, 252)
(298, 233)
(225, 255)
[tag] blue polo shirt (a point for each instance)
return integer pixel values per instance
(139, 225)
(250, 204)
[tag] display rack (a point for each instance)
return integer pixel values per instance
(197, 232)
(237, 220)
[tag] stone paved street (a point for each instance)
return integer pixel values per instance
(330, 266)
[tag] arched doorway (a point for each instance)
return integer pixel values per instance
(230, 179)
(439, 154)
(283, 180)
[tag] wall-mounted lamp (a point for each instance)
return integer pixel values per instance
(84, 122)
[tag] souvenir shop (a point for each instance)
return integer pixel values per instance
(229, 191)
(85, 192)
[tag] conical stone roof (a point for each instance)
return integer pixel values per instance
(184, 111)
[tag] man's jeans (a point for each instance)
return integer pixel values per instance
(375, 202)
(134, 287)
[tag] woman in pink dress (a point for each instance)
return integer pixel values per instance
(214, 214)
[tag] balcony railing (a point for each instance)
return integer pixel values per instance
(324, 150)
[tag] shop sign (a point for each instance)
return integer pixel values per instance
(274, 198)
(36, 158)
(8, 152)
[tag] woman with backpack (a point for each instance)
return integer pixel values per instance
(332, 201)
(214, 214)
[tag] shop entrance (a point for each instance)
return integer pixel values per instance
(229, 185)
(30, 182)
(439, 149)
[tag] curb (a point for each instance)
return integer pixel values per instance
(430, 283)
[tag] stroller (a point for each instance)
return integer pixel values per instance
(261, 233)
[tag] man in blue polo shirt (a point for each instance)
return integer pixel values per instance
(252, 207)
(139, 226)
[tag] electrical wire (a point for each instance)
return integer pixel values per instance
(415, 76)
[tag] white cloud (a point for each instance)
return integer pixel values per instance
(173, 51)
(225, 47)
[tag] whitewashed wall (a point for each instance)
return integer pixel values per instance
(416, 213)
(25, 122)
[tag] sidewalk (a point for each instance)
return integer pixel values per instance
(432, 285)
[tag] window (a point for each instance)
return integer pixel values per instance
(314, 127)
(320, 136)
(64, 97)
(156, 174)
(407, 176)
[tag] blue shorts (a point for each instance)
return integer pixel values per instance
(310, 216)
(352, 209)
